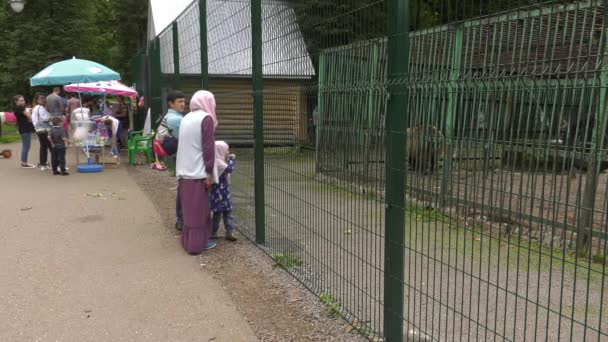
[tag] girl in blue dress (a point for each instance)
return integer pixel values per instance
(220, 200)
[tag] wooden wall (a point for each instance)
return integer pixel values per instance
(284, 110)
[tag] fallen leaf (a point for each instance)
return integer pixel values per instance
(96, 195)
(26, 208)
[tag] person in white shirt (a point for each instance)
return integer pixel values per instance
(41, 120)
(195, 171)
(113, 126)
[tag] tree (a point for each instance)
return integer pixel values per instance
(107, 31)
(45, 32)
(130, 21)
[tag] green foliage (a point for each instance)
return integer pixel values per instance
(130, 22)
(425, 214)
(9, 134)
(599, 259)
(331, 304)
(48, 31)
(287, 261)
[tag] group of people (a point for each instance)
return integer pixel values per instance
(49, 117)
(203, 168)
(48, 120)
(203, 165)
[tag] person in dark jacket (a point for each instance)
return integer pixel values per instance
(25, 128)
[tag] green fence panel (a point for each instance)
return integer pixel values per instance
(445, 185)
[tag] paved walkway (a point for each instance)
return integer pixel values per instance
(86, 258)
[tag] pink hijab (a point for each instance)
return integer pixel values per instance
(205, 101)
(221, 148)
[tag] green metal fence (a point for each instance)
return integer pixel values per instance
(429, 169)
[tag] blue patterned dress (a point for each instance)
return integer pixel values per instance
(219, 196)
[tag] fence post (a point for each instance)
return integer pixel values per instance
(258, 121)
(584, 234)
(202, 10)
(175, 32)
(451, 114)
(156, 80)
(398, 63)
(372, 95)
(318, 120)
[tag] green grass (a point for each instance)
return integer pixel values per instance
(9, 134)
(281, 151)
(478, 245)
(599, 259)
(424, 214)
(335, 310)
(364, 330)
(332, 305)
(287, 261)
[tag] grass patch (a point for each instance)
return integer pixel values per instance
(9, 139)
(334, 309)
(9, 134)
(287, 261)
(282, 151)
(424, 214)
(364, 330)
(9, 129)
(599, 259)
(512, 252)
(332, 305)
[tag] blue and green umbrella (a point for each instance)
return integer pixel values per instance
(73, 71)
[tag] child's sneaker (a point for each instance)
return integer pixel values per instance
(231, 236)
(27, 166)
(210, 245)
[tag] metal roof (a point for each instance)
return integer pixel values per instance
(229, 40)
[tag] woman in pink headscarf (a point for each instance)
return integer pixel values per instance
(196, 172)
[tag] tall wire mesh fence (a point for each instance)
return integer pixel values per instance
(433, 169)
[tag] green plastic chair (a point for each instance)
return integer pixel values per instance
(139, 142)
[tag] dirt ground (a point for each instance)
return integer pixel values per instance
(277, 307)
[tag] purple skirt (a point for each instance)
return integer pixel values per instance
(197, 217)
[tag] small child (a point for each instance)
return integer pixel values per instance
(220, 201)
(58, 138)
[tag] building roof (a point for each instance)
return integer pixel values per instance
(229, 38)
